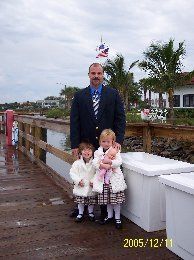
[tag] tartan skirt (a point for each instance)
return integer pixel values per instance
(108, 197)
(92, 200)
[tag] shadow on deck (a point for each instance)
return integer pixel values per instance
(34, 221)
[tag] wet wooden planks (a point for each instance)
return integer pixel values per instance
(34, 221)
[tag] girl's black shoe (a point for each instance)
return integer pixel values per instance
(106, 221)
(79, 218)
(91, 216)
(118, 224)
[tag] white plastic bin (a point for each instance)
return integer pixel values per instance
(145, 196)
(180, 213)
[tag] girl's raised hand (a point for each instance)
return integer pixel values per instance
(117, 146)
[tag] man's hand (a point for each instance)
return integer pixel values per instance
(81, 183)
(117, 146)
(75, 153)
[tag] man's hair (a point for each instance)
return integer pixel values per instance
(108, 132)
(95, 64)
(85, 145)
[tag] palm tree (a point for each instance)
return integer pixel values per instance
(151, 85)
(119, 78)
(68, 93)
(164, 65)
(143, 87)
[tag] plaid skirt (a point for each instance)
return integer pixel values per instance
(108, 197)
(92, 200)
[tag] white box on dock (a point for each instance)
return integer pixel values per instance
(145, 196)
(179, 190)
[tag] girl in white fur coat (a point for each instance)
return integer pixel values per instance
(111, 194)
(82, 173)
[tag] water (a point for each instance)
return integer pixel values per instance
(61, 141)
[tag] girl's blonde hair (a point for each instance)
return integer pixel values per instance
(108, 132)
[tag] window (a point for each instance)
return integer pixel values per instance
(176, 101)
(188, 100)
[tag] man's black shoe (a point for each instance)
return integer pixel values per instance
(74, 213)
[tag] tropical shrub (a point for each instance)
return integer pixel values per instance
(184, 112)
(133, 117)
(57, 113)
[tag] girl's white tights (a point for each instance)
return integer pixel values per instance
(81, 208)
(117, 210)
(90, 209)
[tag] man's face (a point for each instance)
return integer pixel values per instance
(96, 75)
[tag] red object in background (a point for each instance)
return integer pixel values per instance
(146, 111)
(9, 118)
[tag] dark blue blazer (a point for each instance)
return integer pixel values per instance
(83, 124)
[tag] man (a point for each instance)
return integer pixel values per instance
(94, 109)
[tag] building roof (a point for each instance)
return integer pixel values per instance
(191, 82)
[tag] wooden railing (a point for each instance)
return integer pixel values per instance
(32, 129)
(150, 130)
(33, 143)
(33, 139)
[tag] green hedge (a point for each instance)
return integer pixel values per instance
(133, 117)
(184, 121)
(184, 112)
(57, 113)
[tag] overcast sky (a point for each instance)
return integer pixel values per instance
(43, 42)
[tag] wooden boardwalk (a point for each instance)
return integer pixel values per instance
(34, 221)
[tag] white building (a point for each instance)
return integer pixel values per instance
(48, 103)
(184, 96)
(155, 99)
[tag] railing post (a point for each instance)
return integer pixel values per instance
(27, 131)
(43, 138)
(147, 139)
(37, 138)
(9, 125)
(40, 134)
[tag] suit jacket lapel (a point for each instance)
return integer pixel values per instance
(102, 102)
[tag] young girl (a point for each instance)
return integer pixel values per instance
(111, 194)
(82, 172)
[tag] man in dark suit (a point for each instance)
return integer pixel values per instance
(94, 109)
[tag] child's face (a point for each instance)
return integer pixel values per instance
(86, 153)
(106, 142)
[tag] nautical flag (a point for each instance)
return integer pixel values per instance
(102, 50)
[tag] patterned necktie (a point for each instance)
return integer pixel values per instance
(95, 99)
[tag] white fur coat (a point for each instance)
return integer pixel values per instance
(116, 180)
(82, 171)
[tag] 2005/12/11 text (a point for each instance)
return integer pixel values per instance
(147, 242)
